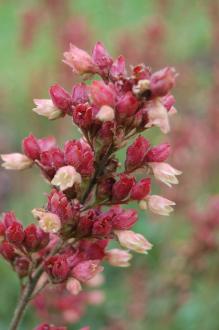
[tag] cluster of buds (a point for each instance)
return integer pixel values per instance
(88, 185)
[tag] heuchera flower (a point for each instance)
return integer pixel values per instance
(88, 185)
(158, 205)
(47, 109)
(133, 241)
(118, 257)
(165, 173)
(15, 161)
(66, 177)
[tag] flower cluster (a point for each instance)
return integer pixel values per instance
(88, 185)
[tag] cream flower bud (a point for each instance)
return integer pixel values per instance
(160, 205)
(16, 161)
(158, 116)
(106, 113)
(73, 286)
(46, 108)
(165, 173)
(118, 257)
(66, 177)
(49, 222)
(133, 241)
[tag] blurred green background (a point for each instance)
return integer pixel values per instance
(33, 36)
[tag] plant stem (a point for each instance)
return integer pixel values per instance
(98, 171)
(24, 300)
(26, 295)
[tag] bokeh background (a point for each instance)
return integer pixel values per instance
(176, 286)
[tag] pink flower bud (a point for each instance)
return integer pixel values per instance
(15, 233)
(133, 241)
(122, 187)
(158, 116)
(7, 251)
(31, 147)
(73, 286)
(165, 173)
(66, 177)
(136, 153)
(127, 105)
(15, 161)
(85, 270)
(102, 94)
(159, 153)
(101, 57)
(49, 222)
(160, 205)
(141, 189)
(57, 268)
(80, 94)
(162, 81)
(124, 220)
(118, 68)
(118, 257)
(105, 113)
(46, 108)
(60, 97)
(79, 60)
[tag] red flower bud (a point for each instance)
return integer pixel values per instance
(57, 268)
(35, 238)
(60, 97)
(101, 57)
(118, 68)
(80, 94)
(79, 155)
(127, 105)
(83, 115)
(85, 270)
(31, 147)
(21, 266)
(7, 251)
(159, 153)
(102, 94)
(102, 226)
(141, 189)
(15, 233)
(124, 220)
(59, 205)
(53, 158)
(136, 153)
(122, 187)
(162, 81)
